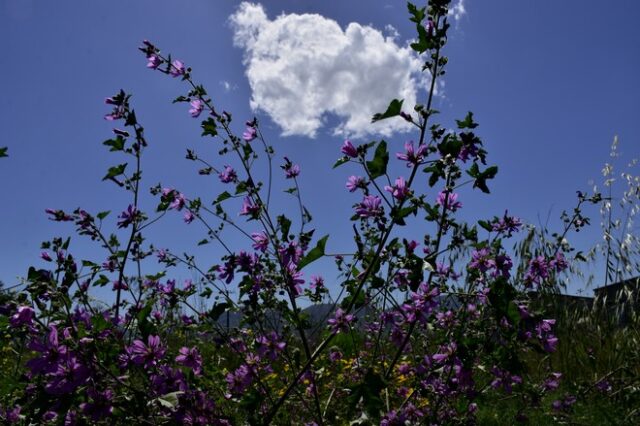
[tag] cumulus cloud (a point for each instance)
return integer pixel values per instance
(303, 68)
(458, 10)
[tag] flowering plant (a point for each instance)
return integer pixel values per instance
(425, 330)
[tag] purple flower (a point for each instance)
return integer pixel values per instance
(355, 182)
(261, 241)
(178, 202)
(507, 225)
(340, 321)
(249, 209)
(348, 149)
(291, 170)
(45, 256)
(370, 206)
(24, 316)
(127, 217)
(190, 358)
(270, 345)
(196, 107)
(228, 175)
(147, 355)
(239, 380)
(451, 200)
(188, 217)
(154, 62)
(552, 382)
(52, 353)
(539, 270)
(411, 156)
(399, 190)
(100, 405)
(69, 375)
(295, 279)
(177, 68)
(482, 260)
(250, 133)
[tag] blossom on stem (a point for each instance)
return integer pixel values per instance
(154, 61)
(451, 199)
(370, 206)
(196, 107)
(190, 357)
(355, 182)
(177, 68)
(228, 175)
(340, 321)
(348, 149)
(411, 156)
(127, 217)
(249, 209)
(399, 190)
(146, 354)
(250, 133)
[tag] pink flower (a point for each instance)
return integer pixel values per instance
(196, 107)
(177, 68)
(349, 150)
(154, 62)
(190, 358)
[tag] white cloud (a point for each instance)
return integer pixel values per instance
(228, 87)
(458, 10)
(302, 68)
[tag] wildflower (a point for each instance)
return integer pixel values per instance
(177, 68)
(370, 206)
(188, 217)
(53, 353)
(249, 209)
(146, 354)
(190, 357)
(411, 156)
(507, 225)
(348, 149)
(228, 175)
(482, 260)
(45, 256)
(127, 217)
(291, 170)
(340, 321)
(24, 316)
(100, 405)
(250, 133)
(399, 190)
(154, 62)
(451, 199)
(261, 241)
(196, 107)
(239, 380)
(355, 182)
(270, 345)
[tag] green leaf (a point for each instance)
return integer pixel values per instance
(3, 152)
(209, 127)
(486, 225)
(203, 242)
(417, 15)
(378, 166)
(369, 391)
(285, 224)
(467, 123)
(316, 253)
(169, 400)
(225, 195)
(394, 108)
(115, 171)
(102, 215)
(217, 310)
(341, 161)
(116, 144)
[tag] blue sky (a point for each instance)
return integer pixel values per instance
(550, 82)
